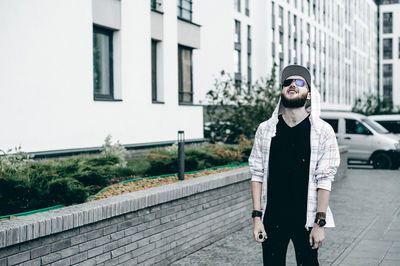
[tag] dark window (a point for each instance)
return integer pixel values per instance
(249, 56)
(237, 5)
(387, 81)
(237, 52)
(185, 74)
(392, 126)
(155, 5)
(102, 63)
(247, 6)
(387, 48)
(154, 70)
(355, 127)
(387, 23)
(334, 124)
(185, 9)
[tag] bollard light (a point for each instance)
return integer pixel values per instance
(181, 155)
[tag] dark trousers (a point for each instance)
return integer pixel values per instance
(275, 246)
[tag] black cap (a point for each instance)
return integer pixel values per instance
(296, 70)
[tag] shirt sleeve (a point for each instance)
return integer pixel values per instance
(328, 161)
(255, 159)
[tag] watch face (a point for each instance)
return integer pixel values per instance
(322, 222)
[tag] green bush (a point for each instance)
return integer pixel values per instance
(162, 162)
(66, 191)
(234, 108)
(35, 185)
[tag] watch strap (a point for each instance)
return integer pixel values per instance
(256, 213)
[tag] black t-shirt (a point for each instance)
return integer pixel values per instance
(289, 164)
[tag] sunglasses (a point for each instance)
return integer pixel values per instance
(298, 82)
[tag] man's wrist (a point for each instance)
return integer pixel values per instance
(256, 213)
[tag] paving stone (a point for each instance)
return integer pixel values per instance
(364, 205)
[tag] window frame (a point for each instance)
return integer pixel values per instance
(110, 33)
(386, 27)
(180, 8)
(385, 55)
(154, 73)
(181, 92)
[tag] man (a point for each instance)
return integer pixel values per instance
(293, 162)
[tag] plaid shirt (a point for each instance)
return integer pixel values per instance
(324, 158)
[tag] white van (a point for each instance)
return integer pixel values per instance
(367, 140)
(390, 122)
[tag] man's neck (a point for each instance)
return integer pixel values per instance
(294, 116)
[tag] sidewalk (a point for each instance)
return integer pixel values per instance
(366, 208)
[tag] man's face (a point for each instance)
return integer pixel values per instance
(295, 95)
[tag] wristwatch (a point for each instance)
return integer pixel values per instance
(320, 222)
(320, 219)
(256, 214)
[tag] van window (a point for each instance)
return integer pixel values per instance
(375, 126)
(334, 124)
(392, 126)
(355, 127)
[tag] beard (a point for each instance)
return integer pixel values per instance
(297, 102)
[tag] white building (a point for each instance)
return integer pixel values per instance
(74, 71)
(389, 55)
(335, 39)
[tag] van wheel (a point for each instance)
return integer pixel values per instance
(382, 161)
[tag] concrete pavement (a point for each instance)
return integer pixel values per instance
(366, 208)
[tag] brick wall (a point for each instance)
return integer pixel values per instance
(151, 227)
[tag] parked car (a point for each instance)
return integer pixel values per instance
(390, 122)
(367, 141)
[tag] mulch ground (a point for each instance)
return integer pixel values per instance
(118, 189)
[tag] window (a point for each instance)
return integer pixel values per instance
(156, 5)
(334, 124)
(154, 70)
(355, 127)
(102, 63)
(185, 74)
(237, 5)
(249, 81)
(387, 23)
(387, 82)
(237, 52)
(392, 126)
(185, 9)
(399, 47)
(247, 6)
(387, 48)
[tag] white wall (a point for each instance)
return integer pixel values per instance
(46, 78)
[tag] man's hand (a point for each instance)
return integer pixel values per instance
(317, 236)
(259, 227)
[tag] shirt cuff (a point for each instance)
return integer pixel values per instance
(257, 178)
(324, 184)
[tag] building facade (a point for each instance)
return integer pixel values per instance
(336, 40)
(74, 71)
(389, 51)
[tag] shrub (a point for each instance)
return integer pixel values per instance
(234, 109)
(14, 159)
(115, 150)
(225, 154)
(162, 162)
(66, 191)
